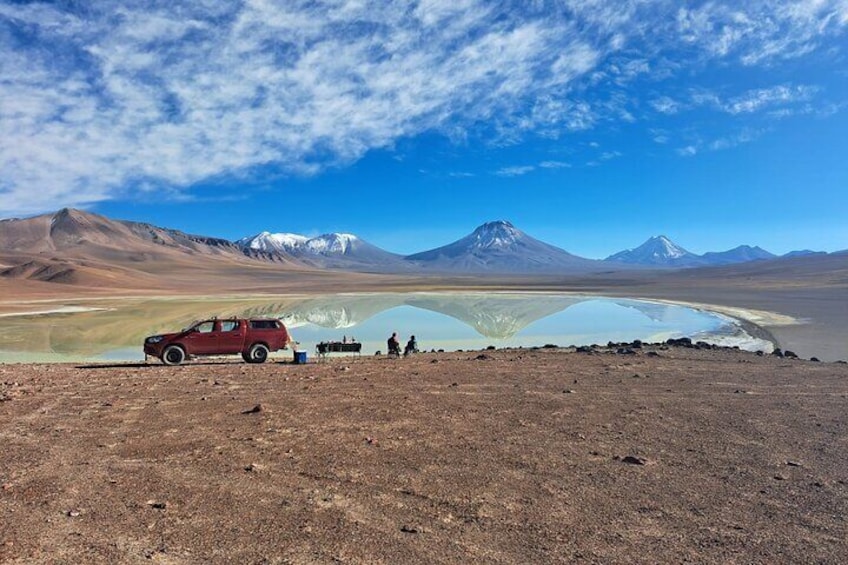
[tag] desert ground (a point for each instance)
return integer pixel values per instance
(666, 454)
(662, 455)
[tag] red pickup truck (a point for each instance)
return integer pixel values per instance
(254, 338)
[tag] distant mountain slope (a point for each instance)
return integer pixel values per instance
(803, 253)
(658, 251)
(741, 254)
(499, 247)
(329, 251)
(76, 247)
(661, 252)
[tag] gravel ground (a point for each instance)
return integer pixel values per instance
(668, 454)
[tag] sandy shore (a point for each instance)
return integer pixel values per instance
(512, 456)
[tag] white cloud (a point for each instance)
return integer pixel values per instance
(554, 165)
(665, 105)
(515, 171)
(108, 97)
(755, 100)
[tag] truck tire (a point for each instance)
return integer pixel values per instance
(258, 353)
(173, 355)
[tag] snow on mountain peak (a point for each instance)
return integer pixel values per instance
(499, 234)
(267, 241)
(664, 247)
(327, 244)
(331, 243)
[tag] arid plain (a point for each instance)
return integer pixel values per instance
(665, 454)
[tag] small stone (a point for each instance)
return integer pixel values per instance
(409, 529)
(157, 505)
(73, 513)
(633, 460)
(779, 478)
(793, 464)
(569, 391)
(254, 410)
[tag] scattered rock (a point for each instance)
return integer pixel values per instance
(780, 478)
(569, 391)
(253, 467)
(790, 354)
(793, 464)
(434, 361)
(482, 357)
(72, 513)
(778, 352)
(625, 351)
(633, 460)
(254, 410)
(652, 354)
(409, 529)
(815, 360)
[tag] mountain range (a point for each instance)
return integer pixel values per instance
(660, 251)
(77, 247)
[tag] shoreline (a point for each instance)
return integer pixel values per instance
(752, 322)
(748, 321)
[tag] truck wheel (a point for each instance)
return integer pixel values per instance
(258, 353)
(173, 355)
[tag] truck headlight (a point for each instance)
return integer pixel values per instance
(154, 339)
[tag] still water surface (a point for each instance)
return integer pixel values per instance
(113, 330)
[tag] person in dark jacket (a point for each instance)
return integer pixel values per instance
(393, 345)
(411, 346)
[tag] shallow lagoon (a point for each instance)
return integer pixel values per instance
(113, 330)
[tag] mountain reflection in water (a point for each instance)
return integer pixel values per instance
(116, 329)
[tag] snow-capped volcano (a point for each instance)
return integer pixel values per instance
(331, 250)
(331, 244)
(657, 251)
(498, 235)
(500, 247)
(295, 244)
(267, 241)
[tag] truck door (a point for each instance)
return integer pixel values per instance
(203, 340)
(231, 336)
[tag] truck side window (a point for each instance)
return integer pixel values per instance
(229, 325)
(263, 324)
(206, 327)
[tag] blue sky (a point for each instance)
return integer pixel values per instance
(589, 124)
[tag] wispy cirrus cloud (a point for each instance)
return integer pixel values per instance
(516, 171)
(106, 98)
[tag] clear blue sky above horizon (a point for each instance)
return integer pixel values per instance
(591, 125)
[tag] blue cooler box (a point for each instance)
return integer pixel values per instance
(300, 357)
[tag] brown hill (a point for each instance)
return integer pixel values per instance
(80, 248)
